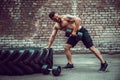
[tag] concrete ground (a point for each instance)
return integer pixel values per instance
(86, 68)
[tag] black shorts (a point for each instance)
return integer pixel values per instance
(86, 39)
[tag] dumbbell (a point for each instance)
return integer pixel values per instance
(56, 70)
(79, 36)
(69, 31)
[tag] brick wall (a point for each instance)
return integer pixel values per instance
(25, 23)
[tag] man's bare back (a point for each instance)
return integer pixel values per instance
(67, 21)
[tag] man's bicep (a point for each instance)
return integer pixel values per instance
(78, 22)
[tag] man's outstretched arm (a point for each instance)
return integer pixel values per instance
(52, 37)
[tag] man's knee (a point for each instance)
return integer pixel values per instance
(67, 47)
(93, 49)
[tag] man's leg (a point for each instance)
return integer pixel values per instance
(97, 54)
(71, 42)
(69, 56)
(100, 57)
(87, 41)
(68, 53)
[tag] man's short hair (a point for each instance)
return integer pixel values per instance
(51, 14)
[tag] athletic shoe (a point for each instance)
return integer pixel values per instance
(68, 65)
(103, 67)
